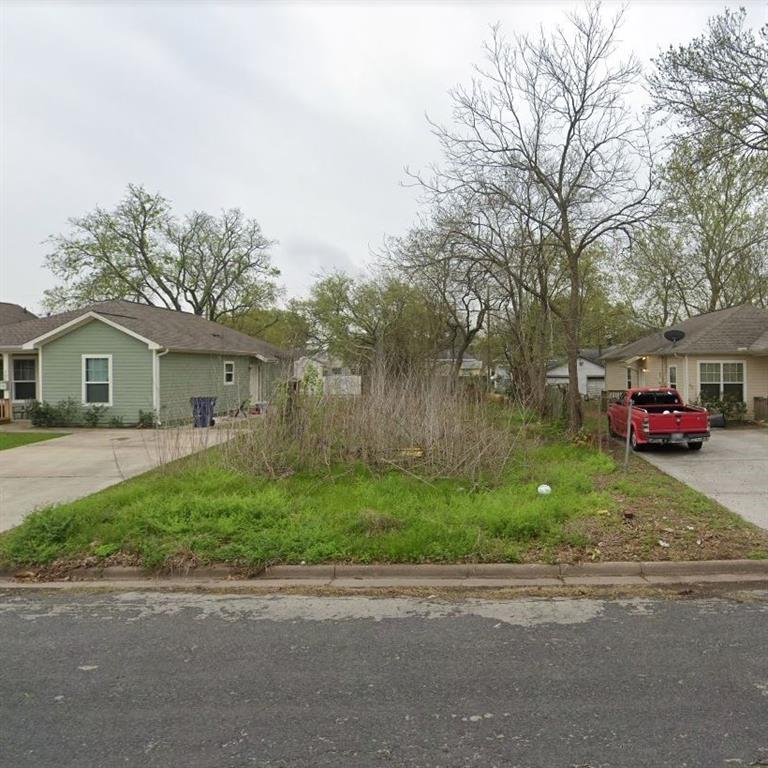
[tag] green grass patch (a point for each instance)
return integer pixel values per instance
(17, 439)
(197, 510)
(201, 509)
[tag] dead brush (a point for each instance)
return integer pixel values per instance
(425, 426)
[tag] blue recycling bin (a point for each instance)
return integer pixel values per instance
(202, 411)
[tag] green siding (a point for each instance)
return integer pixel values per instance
(185, 375)
(131, 369)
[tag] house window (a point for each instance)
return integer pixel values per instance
(629, 378)
(673, 376)
(97, 379)
(229, 372)
(722, 380)
(24, 379)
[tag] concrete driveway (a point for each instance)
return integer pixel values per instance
(732, 469)
(81, 463)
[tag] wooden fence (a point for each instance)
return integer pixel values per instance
(5, 410)
(761, 408)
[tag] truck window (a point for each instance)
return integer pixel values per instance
(655, 398)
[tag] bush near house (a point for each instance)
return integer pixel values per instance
(70, 413)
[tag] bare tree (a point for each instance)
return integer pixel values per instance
(545, 128)
(213, 266)
(436, 259)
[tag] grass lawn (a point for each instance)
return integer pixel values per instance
(16, 439)
(196, 511)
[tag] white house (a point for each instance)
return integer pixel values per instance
(591, 373)
(337, 378)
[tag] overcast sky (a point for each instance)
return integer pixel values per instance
(303, 115)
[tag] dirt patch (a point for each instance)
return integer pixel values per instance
(653, 517)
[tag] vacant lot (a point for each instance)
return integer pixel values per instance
(198, 511)
(16, 439)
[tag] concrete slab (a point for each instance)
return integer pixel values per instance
(731, 469)
(85, 461)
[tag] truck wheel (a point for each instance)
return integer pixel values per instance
(695, 446)
(633, 442)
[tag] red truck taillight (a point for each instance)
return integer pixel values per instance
(646, 425)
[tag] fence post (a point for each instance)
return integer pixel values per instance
(600, 424)
(626, 444)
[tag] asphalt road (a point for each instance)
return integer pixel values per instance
(173, 680)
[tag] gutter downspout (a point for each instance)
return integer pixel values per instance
(156, 382)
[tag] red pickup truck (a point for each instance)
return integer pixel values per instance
(659, 416)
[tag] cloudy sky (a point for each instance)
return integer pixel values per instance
(302, 114)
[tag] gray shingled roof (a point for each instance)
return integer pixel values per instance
(736, 329)
(13, 313)
(180, 331)
(592, 354)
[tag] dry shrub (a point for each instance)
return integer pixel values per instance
(425, 426)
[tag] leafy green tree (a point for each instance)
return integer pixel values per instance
(708, 246)
(717, 85)
(382, 321)
(285, 327)
(211, 265)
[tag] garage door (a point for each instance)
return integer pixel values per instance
(595, 385)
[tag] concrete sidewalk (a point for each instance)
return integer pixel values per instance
(85, 461)
(732, 469)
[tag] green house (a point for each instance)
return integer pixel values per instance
(131, 358)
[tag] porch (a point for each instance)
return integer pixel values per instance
(19, 384)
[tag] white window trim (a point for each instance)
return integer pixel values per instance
(229, 383)
(721, 361)
(676, 385)
(12, 379)
(111, 383)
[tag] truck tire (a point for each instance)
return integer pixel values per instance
(633, 442)
(695, 446)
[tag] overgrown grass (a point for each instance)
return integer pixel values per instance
(208, 513)
(201, 510)
(17, 439)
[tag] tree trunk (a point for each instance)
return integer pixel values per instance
(573, 328)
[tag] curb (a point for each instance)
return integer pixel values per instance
(618, 574)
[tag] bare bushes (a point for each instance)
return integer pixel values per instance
(425, 426)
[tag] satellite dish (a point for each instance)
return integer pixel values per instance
(674, 335)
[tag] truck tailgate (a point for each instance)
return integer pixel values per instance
(668, 423)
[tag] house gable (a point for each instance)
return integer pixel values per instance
(131, 367)
(78, 322)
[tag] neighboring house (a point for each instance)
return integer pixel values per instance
(131, 357)
(591, 373)
(471, 367)
(501, 379)
(336, 377)
(325, 366)
(723, 354)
